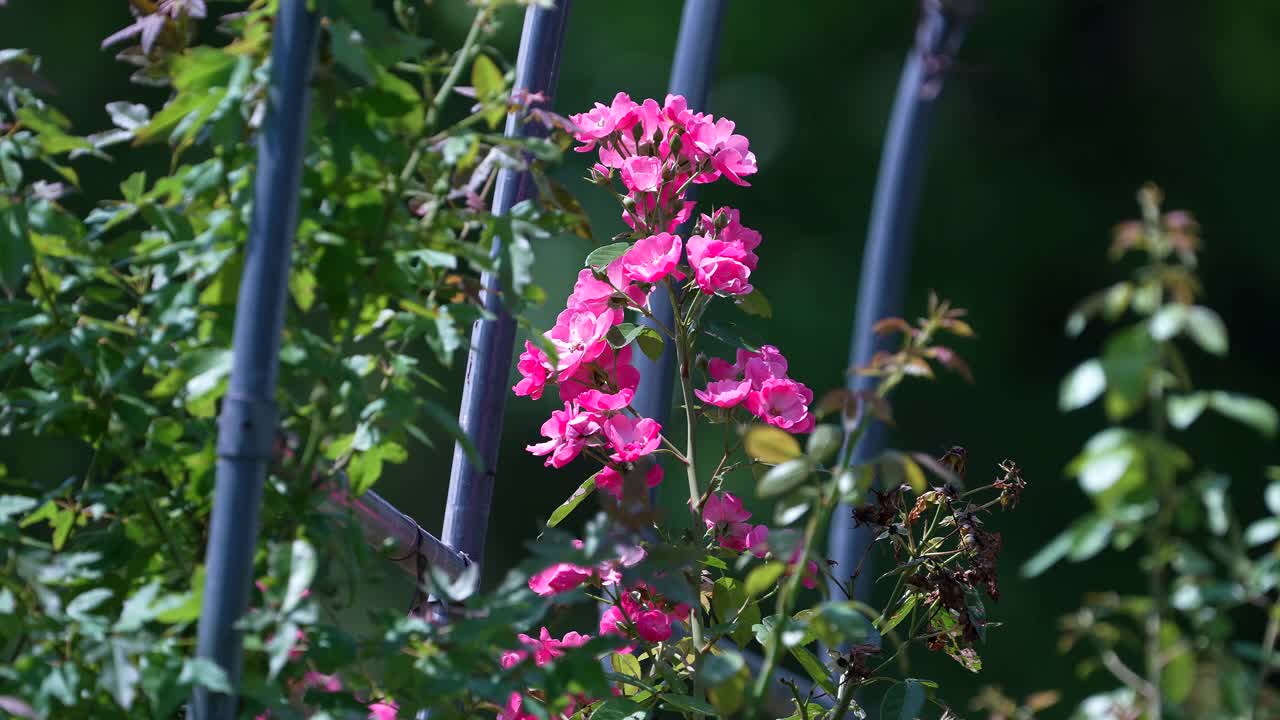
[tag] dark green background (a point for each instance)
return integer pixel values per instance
(1055, 114)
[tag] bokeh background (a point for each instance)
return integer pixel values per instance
(1056, 112)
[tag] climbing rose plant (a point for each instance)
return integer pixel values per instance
(681, 609)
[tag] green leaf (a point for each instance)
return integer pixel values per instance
(1207, 329)
(1089, 536)
(302, 570)
(903, 701)
(650, 342)
(204, 672)
(15, 247)
(490, 88)
(1168, 321)
(727, 597)
(771, 445)
(11, 505)
(823, 443)
(814, 668)
(347, 45)
(688, 703)
(1049, 555)
(836, 623)
(1182, 410)
(602, 256)
(302, 286)
(1262, 531)
(755, 303)
(619, 709)
(627, 664)
(782, 478)
(84, 603)
(763, 577)
(1179, 673)
(1082, 386)
(1128, 359)
(1271, 495)
(1257, 414)
(584, 490)
(719, 668)
(120, 676)
(901, 613)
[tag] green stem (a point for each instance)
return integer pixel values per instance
(465, 54)
(684, 362)
(1268, 650)
(773, 650)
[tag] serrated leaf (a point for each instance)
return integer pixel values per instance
(755, 303)
(584, 491)
(602, 256)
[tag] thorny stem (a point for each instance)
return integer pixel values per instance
(684, 362)
(465, 54)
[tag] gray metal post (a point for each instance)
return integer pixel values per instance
(247, 424)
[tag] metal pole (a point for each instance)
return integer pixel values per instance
(691, 70)
(247, 424)
(383, 524)
(886, 258)
(484, 394)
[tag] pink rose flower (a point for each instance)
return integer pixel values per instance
(603, 402)
(724, 393)
(757, 540)
(810, 577)
(610, 480)
(579, 337)
(720, 268)
(534, 366)
(611, 370)
(601, 121)
(559, 578)
(783, 403)
(653, 626)
(631, 439)
(642, 173)
(733, 231)
(611, 296)
(722, 509)
(767, 364)
(567, 430)
(653, 258)
(383, 711)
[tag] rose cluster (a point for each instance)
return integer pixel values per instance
(758, 381)
(657, 152)
(726, 520)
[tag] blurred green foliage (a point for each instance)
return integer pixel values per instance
(1056, 111)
